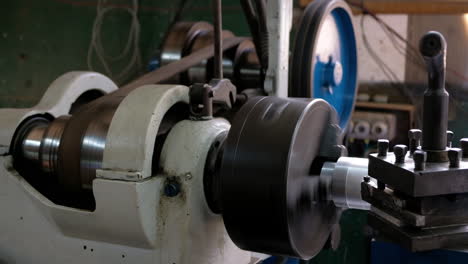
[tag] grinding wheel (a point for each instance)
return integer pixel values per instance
(270, 191)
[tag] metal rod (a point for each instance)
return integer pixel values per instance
(218, 40)
(433, 48)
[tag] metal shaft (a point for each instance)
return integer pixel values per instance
(433, 47)
(342, 182)
(218, 41)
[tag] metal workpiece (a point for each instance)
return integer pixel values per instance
(270, 176)
(342, 180)
(31, 144)
(36, 144)
(433, 47)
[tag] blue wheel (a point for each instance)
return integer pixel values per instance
(324, 63)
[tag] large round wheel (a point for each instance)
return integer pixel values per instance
(324, 61)
(270, 191)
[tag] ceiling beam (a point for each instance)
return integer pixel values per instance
(407, 6)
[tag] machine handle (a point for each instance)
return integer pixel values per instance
(433, 48)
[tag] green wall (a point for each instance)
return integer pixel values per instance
(42, 39)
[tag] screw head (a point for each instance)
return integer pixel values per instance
(172, 189)
(400, 153)
(382, 147)
(454, 154)
(415, 134)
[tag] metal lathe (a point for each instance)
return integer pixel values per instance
(230, 152)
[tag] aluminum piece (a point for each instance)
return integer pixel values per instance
(346, 176)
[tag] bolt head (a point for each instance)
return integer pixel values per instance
(415, 134)
(366, 179)
(449, 135)
(419, 156)
(464, 143)
(382, 147)
(454, 155)
(172, 189)
(400, 152)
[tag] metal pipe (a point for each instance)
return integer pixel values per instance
(218, 40)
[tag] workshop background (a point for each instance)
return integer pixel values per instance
(41, 40)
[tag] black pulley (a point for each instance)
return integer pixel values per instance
(324, 63)
(270, 194)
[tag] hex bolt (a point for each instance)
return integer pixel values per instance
(366, 179)
(449, 138)
(454, 155)
(172, 189)
(464, 147)
(400, 153)
(419, 158)
(382, 147)
(414, 136)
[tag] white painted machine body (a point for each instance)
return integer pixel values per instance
(134, 222)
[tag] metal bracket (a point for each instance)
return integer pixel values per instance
(203, 97)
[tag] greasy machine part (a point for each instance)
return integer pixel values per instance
(80, 142)
(324, 63)
(241, 64)
(420, 198)
(270, 176)
(433, 48)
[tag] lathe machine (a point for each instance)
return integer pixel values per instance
(218, 170)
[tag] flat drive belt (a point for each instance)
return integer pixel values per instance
(91, 122)
(179, 66)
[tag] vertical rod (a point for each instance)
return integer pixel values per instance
(433, 48)
(218, 41)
